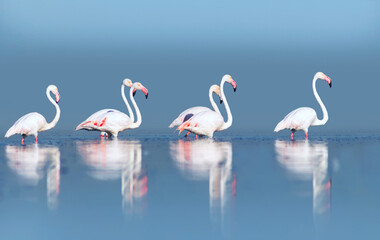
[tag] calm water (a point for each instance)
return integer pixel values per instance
(164, 187)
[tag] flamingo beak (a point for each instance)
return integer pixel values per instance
(145, 91)
(233, 83)
(134, 91)
(221, 101)
(328, 80)
(57, 97)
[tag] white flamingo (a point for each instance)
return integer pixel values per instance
(304, 117)
(32, 123)
(188, 113)
(207, 122)
(112, 121)
(88, 123)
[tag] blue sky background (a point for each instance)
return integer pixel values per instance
(178, 49)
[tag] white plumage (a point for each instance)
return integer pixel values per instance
(32, 123)
(188, 113)
(207, 122)
(112, 121)
(304, 117)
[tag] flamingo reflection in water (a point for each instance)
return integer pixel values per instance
(206, 159)
(308, 161)
(118, 159)
(29, 163)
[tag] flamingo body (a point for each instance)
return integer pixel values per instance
(185, 114)
(299, 119)
(204, 123)
(29, 124)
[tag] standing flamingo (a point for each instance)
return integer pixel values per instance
(32, 123)
(304, 117)
(207, 122)
(112, 121)
(188, 113)
(87, 124)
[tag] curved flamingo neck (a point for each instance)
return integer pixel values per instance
(57, 114)
(138, 114)
(131, 115)
(229, 115)
(213, 104)
(324, 110)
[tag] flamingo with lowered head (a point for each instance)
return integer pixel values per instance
(304, 117)
(112, 121)
(32, 123)
(188, 113)
(207, 122)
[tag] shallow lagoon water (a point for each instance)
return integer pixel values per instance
(233, 187)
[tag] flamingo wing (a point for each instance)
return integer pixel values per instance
(298, 119)
(91, 123)
(28, 124)
(204, 123)
(113, 122)
(185, 115)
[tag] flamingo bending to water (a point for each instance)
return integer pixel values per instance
(112, 121)
(304, 117)
(207, 122)
(188, 113)
(32, 123)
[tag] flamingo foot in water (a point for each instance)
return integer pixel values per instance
(292, 136)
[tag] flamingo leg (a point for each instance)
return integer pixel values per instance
(36, 139)
(187, 134)
(22, 141)
(306, 135)
(292, 135)
(101, 135)
(196, 136)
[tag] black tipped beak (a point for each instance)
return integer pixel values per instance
(235, 89)
(221, 101)
(134, 93)
(146, 96)
(330, 84)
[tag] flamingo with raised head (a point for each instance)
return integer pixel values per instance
(304, 117)
(32, 123)
(89, 125)
(188, 113)
(112, 121)
(207, 122)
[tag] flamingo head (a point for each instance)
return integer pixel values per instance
(216, 89)
(228, 78)
(139, 86)
(321, 75)
(127, 82)
(53, 89)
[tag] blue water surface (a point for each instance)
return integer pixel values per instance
(259, 186)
